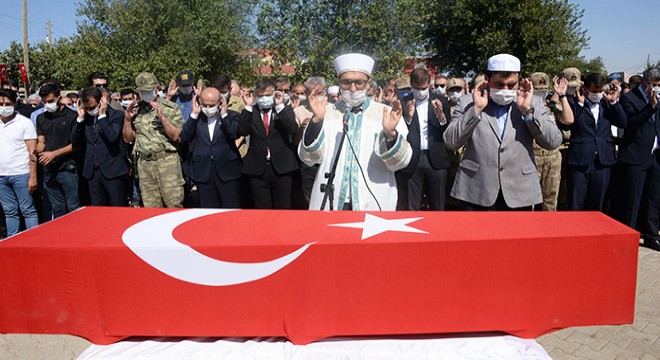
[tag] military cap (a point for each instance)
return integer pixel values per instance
(540, 80)
(146, 82)
(573, 76)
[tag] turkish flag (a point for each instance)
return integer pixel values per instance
(3, 72)
(24, 76)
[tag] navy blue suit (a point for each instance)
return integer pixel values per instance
(428, 166)
(591, 153)
(106, 162)
(215, 163)
(640, 200)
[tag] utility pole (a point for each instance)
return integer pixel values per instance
(50, 37)
(26, 59)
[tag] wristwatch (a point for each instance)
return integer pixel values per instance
(529, 111)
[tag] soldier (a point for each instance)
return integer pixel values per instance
(155, 124)
(455, 88)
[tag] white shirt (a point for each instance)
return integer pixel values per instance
(14, 156)
(595, 110)
(422, 108)
(211, 122)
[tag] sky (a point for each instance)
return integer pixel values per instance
(623, 33)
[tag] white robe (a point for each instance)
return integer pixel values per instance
(377, 162)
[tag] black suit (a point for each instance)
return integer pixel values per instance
(106, 163)
(591, 153)
(640, 202)
(270, 179)
(427, 166)
(215, 163)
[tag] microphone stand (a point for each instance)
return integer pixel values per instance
(329, 187)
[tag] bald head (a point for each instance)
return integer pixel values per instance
(210, 97)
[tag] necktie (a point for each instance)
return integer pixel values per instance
(266, 122)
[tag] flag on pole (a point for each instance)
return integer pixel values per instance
(24, 77)
(3, 72)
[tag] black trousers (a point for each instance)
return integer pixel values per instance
(588, 186)
(425, 177)
(107, 192)
(500, 205)
(271, 190)
(218, 194)
(640, 198)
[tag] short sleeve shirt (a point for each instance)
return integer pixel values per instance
(57, 128)
(15, 159)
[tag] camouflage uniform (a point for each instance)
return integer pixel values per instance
(548, 162)
(159, 166)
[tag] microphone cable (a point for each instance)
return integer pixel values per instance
(366, 183)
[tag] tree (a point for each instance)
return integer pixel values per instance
(541, 33)
(309, 34)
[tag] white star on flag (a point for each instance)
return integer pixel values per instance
(374, 225)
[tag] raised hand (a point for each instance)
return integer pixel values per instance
(525, 95)
(171, 90)
(653, 96)
(248, 97)
(131, 110)
(612, 93)
(223, 106)
(560, 85)
(196, 108)
(391, 119)
(103, 106)
(200, 86)
(579, 94)
(278, 96)
(80, 109)
(480, 98)
(317, 102)
(438, 109)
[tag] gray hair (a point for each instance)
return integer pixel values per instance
(652, 74)
(34, 96)
(313, 81)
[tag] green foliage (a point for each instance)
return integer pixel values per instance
(309, 34)
(541, 33)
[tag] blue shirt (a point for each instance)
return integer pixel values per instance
(184, 104)
(36, 113)
(501, 113)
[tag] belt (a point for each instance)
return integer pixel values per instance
(156, 156)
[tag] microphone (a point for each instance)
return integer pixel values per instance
(345, 122)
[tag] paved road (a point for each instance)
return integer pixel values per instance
(640, 340)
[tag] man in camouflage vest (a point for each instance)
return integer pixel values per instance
(154, 124)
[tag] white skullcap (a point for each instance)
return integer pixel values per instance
(333, 90)
(504, 62)
(354, 62)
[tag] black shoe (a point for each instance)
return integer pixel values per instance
(653, 244)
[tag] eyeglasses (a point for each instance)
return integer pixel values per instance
(359, 83)
(101, 85)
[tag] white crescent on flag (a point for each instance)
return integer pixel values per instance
(152, 241)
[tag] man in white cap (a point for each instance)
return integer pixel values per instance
(497, 124)
(333, 94)
(375, 145)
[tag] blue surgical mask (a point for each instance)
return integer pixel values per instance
(265, 102)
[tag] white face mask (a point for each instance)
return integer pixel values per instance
(657, 91)
(210, 111)
(265, 102)
(421, 95)
(225, 95)
(353, 99)
(95, 111)
(302, 97)
(51, 107)
(503, 97)
(126, 103)
(441, 90)
(595, 97)
(454, 95)
(6, 111)
(148, 96)
(287, 97)
(571, 91)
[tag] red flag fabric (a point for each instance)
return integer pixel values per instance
(24, 77)
(111, 273)
(3, 72)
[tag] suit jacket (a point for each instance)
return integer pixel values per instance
(491, 163)
(640, 132)
(105, 147)
(282, 128)
(438, 155)
(589, 137)
(217, 154)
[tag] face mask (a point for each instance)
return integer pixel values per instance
(287, 97)
(6, 111)
(302, 97)
(454, 95)
(225, 95)
(421, 95)
(95, 111)
(148, 96)
(126, 103)
(160, 94)
(210, 111)
(265, 102)
(353, 99)
(441, 90)
(571, 91)
(595, 97)
(51, 107)
(503, 97)
(541, 93)
(186, 90)
(657, 91)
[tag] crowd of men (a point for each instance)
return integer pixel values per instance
(501, 142)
